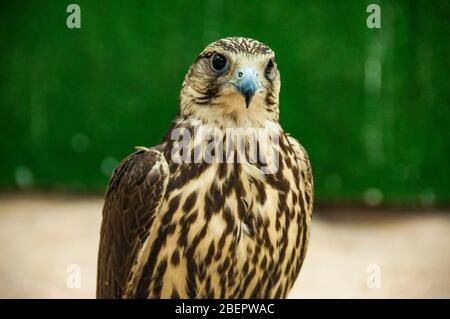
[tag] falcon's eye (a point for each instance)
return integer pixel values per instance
(269, 67)
(218, 62)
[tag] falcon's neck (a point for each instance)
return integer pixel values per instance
(192, 140)
(229, 110)
(234, 115)
(223, 127)
(223, 122)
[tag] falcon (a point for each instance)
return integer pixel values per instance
(196, 228)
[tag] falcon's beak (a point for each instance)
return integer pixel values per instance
(246, 82)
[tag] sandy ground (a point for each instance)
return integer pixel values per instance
(42, 236)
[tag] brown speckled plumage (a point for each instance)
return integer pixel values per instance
(218, 230)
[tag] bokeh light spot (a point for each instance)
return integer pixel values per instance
(108, 165)
(80, 143)
(24, 177)
(373, 196)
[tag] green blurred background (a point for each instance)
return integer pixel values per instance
(372, 106)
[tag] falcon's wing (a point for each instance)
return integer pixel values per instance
(305, 171)
(134, 196)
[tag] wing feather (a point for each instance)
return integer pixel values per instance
(134, 196)
(305, 168)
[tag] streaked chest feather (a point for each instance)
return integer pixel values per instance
(227, 230)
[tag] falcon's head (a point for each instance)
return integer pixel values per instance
(232, 79)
